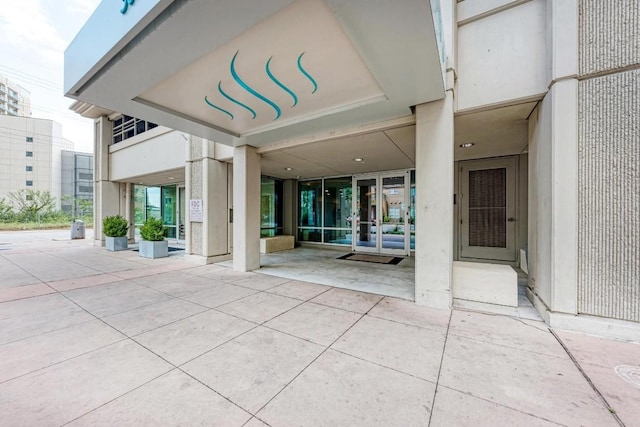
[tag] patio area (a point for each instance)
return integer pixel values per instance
(90, 337)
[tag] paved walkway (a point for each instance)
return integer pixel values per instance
(89, 337)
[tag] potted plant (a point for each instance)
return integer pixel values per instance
(153, 244)
(115, 230)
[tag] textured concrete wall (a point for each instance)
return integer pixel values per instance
(609, 35)
(609, 159)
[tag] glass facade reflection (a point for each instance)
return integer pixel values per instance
(271, 207)
(156, 202)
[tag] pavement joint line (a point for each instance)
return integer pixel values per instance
(444, 348)
(610, 408)
(118, 397)
(501, 405)
(159, 356)
(383, 366)
(559, 356)
(515, 318)
(339, 308)
(316, 358)
(124, 338)
(428, 328)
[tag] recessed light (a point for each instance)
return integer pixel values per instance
(467, 145)
(358, 159)
(171, 177)
(288, 169)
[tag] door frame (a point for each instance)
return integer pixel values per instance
(498, 255)
(181, 208)
(378, 247)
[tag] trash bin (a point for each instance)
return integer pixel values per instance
(77, 229)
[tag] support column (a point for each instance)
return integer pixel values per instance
(106, 194)
(434, 202)
(564, 154)
(246, 208)
(206, 181)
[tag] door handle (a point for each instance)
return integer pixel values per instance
(511, 219)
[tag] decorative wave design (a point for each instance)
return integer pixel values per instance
(255, 93)
(279, 83)
(218, 108)
(307, 75)
(235, 101)
(252, 91)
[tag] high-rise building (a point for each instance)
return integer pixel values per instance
(31, 155)
(14, 99)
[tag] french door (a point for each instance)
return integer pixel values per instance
(381, 212)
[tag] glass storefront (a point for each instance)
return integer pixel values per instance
(271, 207)
(310, 211)
(325, 211)
(156, 202)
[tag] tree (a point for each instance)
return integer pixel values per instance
(30, 204)
(6, 211)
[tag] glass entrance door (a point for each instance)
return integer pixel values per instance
(381, 212)
(365, 214)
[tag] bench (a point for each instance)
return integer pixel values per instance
(276, 243)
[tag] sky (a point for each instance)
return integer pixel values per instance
(33, 37)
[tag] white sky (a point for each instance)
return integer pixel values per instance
(33, 37)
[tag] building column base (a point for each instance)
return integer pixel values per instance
(434, 299)
(206, 260)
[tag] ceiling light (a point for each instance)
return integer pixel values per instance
(171, 177)
(467, 145)
(358, 159)
(288, 169)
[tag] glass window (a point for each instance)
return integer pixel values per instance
(29, 168)
(29, 183)
(139, 204)
(412, 210)
(337, 210)
(29, 139)
(153, 203)
(271, 207)
(29, 153)
(310, 209)
(169, 210)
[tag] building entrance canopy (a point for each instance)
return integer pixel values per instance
(258, 73)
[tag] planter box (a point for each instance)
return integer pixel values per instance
(116, 243)
(158, 249)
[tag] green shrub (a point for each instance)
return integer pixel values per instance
(153, 229)
(114, 226)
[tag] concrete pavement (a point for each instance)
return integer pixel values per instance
(90, 337)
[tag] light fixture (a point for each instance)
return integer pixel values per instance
(288, 169)
(358, 159)
(171, 177)
(467, 145)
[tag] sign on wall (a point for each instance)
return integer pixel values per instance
(195, 210)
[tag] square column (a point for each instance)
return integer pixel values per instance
(207, 181)
(246, 208)
(106, 194)
(434, 202)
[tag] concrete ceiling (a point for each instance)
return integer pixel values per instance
(160, 59)
(494, 133)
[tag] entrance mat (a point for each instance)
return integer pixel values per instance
(170, 249)
(378, 259)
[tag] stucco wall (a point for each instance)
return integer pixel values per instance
(501, 52)
(540, 188)
(609, 159)
(148, 156)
